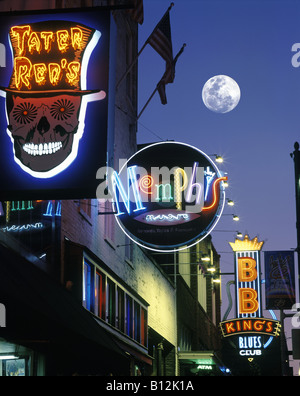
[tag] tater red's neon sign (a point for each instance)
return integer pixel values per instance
(26, 40)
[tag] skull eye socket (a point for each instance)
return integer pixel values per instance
(62, 109)
(25, 113)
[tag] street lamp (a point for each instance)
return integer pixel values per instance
(230, 202)
(217, 280)
(219, 158)
(211, 269)
(234, 217)
(238, 233)
(205, 258)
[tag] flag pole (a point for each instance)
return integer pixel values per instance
(160, 82)
(140, 51)
(148, 101)
(158, 85)
(131, 66)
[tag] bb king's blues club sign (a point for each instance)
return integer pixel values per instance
(168, 196)
(53, 104)
(252, 332)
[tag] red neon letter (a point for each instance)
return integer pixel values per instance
(230, 328)
(19, 32)
(247, 271)
(48, 37)
(62, 40)
(23, 72)
(248, 301)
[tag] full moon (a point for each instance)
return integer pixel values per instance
(221, 94)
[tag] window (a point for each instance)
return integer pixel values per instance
(185, 339)
(144, 327)
(111, 302)
(121, 310)
(108, 222)
(15, 368)
(129, 317)
(137, 321)
(87, 286)
(86, 206)
(105, 298)
(100, 295)
(128, 249)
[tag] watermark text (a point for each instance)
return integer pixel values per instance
(2, 55)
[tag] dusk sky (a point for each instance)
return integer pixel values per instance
(250, 41)
(255, 43)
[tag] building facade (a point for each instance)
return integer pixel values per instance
(79, 297)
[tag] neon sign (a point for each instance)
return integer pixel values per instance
(46, 121)
(169, 217)
(21, 205)
(168, 195)
(55, 90)
(25, 40)
(22, 228)
(249, 326)
(249, 322)
(50, 212)
(248, 282)
(250, 346)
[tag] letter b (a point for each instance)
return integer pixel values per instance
(247, 270)
(248, 301)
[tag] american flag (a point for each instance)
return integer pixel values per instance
(160, 39)
(168, 77)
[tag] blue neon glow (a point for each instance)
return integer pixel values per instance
(50, 210)
(209, 176)
(193, 185)
(131, 181)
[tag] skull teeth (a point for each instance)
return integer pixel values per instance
(42, 149)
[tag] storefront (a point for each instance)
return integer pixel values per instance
(47, 332)
(19, 361)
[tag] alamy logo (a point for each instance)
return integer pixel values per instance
(2, 55)
(2, 316)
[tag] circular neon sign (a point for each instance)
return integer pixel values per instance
(168, 196)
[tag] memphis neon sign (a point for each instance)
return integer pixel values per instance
(167, 195)
(164, 192)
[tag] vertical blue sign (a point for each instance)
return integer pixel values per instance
(280, 279)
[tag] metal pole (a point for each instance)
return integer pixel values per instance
(296, 156)
(149, 100)
(175, 316)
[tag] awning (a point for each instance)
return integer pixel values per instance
(201, 357)
(203, 360)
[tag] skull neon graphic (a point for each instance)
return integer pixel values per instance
(47, 99)
(43, 130)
